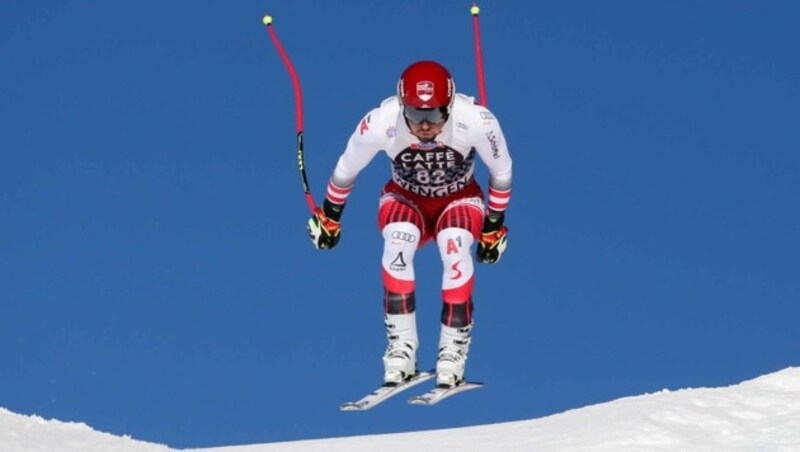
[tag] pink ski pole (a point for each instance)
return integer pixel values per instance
(475, 10)
(298, 103)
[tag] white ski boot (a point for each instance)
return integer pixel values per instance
(400, 359)
(453, 349)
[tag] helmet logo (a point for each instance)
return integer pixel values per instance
(425, 90)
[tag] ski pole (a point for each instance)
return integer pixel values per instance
(475, 10)
(298, 103)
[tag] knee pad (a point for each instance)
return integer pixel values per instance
(400, 242)
(455, 246)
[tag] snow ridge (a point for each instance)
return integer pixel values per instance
(761, 414)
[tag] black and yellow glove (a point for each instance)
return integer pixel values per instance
(494, 238)
(324, 228)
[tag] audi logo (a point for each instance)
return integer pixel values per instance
(404, 236)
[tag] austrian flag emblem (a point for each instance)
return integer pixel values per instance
(425, 90)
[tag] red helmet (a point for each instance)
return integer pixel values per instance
(426, 84)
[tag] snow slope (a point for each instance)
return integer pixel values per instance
(758, 415)
(34, 434)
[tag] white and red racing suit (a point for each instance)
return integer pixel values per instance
(432, 194)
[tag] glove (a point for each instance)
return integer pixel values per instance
(324, 228)
(493, 240)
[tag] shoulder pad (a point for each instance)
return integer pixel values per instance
(389, 100)
(464, 97)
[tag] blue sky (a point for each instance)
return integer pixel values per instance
(155, 275)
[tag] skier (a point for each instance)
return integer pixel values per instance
(431, 134)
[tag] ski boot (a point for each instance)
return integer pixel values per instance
(453, 349)
(400, 359)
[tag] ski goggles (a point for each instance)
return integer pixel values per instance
(420, 115)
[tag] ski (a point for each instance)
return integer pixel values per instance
(442, 392)
(384, 392)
